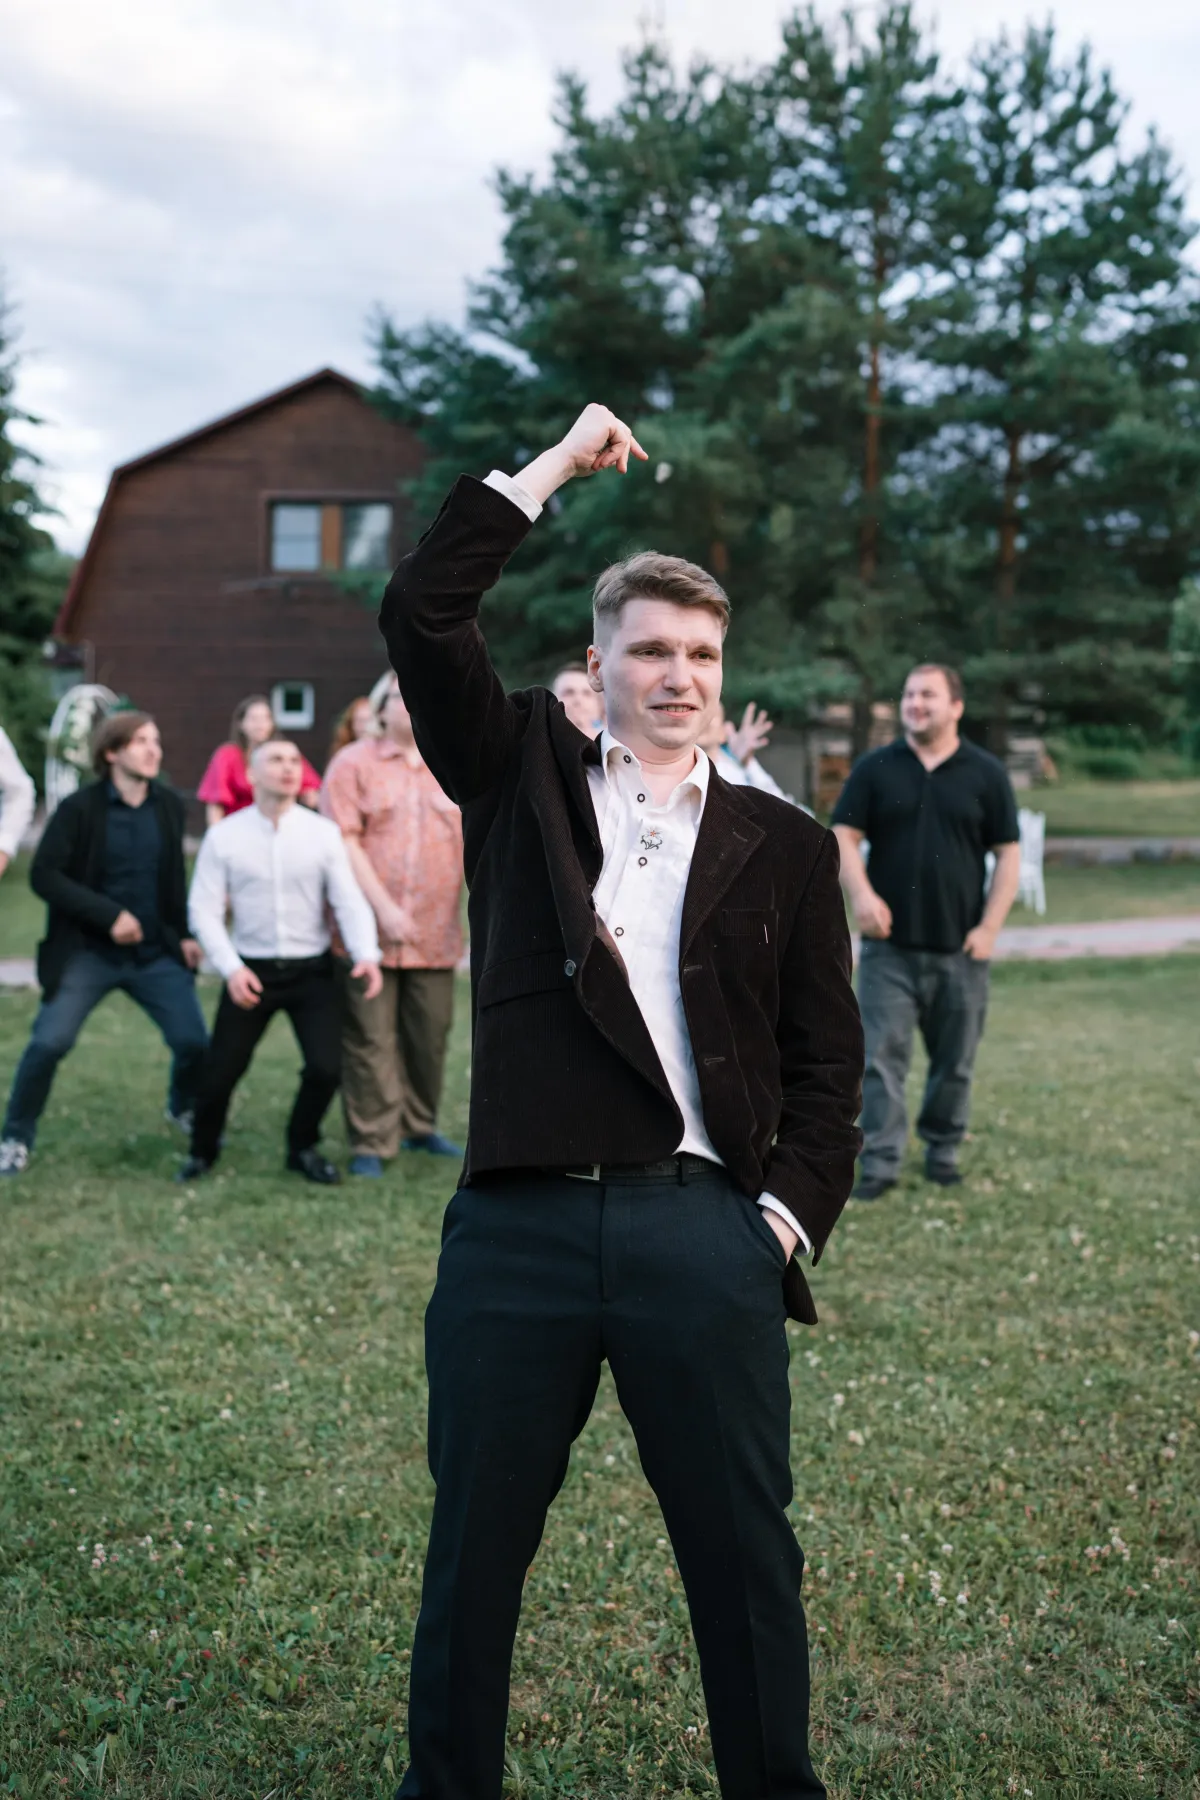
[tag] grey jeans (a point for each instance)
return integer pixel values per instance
(946, 996)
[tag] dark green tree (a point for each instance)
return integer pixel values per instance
(1056, 510)
(33, 577)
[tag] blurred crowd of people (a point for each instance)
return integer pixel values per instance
(338, 902)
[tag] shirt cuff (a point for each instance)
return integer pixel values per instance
(769, 1203)
(512, 490)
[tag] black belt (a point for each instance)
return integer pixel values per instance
(671, 1168)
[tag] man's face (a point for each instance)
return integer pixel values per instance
(276, 771)
(581, 703)
(142, 755)
(926, 706)
(661, 672)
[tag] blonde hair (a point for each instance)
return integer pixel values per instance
(651, 576)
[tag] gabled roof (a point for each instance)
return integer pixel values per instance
(83, 566)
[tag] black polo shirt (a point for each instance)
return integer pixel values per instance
(929, 831)
(132, 854)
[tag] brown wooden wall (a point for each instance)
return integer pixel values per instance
(179, 607)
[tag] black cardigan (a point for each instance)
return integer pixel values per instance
(68, 871)
(564, 1070)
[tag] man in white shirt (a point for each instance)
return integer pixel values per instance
(275, 866)
(17, 798)
(666, 1072)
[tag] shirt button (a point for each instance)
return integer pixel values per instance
(641, 862)
(568, 968)
(641, 796)
(620, 931)
(628, 759)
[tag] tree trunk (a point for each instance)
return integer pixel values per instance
(868, 538)
(1006, 589)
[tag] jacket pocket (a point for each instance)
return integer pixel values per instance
(520, 975)
(753, 923)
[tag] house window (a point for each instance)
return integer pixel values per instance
(294, 705)
(295, 537)
(367, 537)
(307, 537)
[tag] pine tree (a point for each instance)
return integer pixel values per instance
(32, 576)
(1067, 355)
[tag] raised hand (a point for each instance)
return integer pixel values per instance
(751, 736)
(597, 440)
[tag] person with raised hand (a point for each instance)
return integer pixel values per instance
(666, 1072)
(277, 869)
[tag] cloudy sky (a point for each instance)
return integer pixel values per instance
(202, 201)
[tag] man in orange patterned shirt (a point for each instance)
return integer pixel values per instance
(404, 839)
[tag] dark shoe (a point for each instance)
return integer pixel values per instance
(192, 1169)
(870, 1187)
(433, 1143)
(314, 1167)
(945, 1174)
(364, 1164)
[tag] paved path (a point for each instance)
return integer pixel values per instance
(1111, 937)
(1033, 943)
(1109, 850)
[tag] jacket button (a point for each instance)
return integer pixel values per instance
(568, 968)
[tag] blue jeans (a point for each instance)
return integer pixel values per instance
(164, 989)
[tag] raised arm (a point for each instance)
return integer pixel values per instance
(466, 727)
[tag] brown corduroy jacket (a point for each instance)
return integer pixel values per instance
(564, 1071)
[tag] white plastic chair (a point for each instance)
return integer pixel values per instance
(1031, 890)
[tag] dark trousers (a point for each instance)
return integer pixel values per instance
(163, 988)
(305, 990)
(542, 1277)
(945, 996)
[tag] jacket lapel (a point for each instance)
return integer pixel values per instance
(726, 841)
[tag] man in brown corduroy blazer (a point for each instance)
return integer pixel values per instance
(665, 1080)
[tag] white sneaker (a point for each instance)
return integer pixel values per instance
(13, 1156)
(182, 1121)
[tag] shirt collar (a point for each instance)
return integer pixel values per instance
(612, 750)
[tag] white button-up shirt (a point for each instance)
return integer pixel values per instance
(276, 877)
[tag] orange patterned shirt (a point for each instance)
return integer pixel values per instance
(412, 836)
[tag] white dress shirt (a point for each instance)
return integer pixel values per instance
(647, 860)
(17, 798)
(276, 878)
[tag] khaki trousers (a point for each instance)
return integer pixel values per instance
(393, 1056)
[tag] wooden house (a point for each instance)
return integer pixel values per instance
(247, 557)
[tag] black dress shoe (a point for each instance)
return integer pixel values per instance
(191, 1169)
(869, 1187)
(314, 1167)
(945, 1174)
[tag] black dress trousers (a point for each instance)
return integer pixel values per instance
(304, 989)
(677, 1284)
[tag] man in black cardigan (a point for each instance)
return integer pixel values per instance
(666, 1074)
(110, 869)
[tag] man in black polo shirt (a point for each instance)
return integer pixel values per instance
(931, 805)
(110, 869)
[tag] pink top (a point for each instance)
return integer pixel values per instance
(227, 784)
(412, 836)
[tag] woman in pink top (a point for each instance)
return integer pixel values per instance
(226, 784)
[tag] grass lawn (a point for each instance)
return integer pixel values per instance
(1118, 808)
(1124, 891)
(213, 1494)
